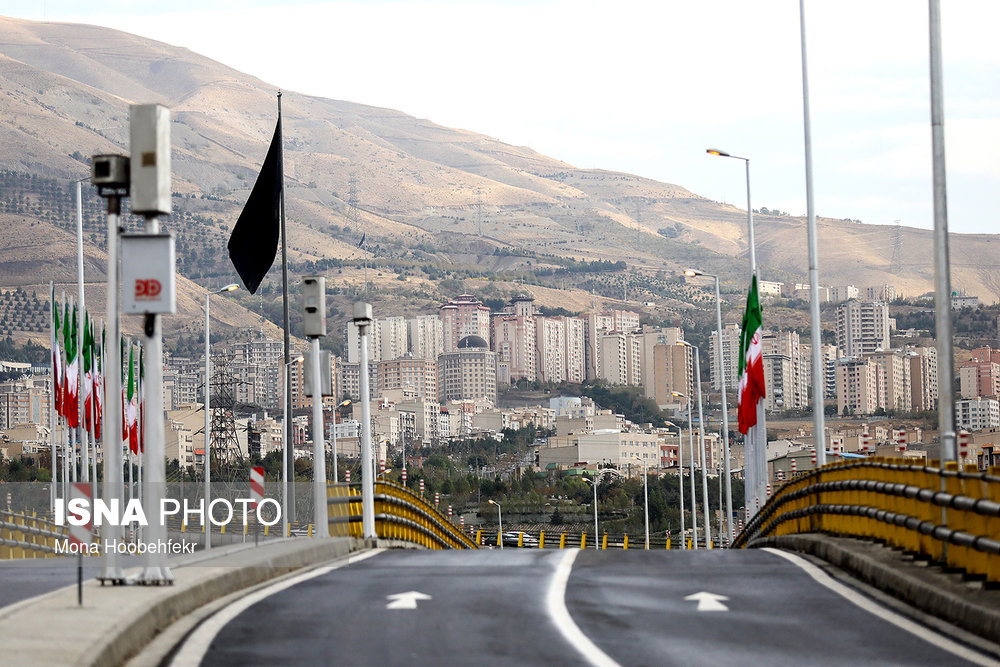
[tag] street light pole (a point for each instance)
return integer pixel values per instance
(499, 521)
(593, 483)
(753, 249)
(725, 407)
(694, 496)
(701, 445)
(208, 419)
(680, 470)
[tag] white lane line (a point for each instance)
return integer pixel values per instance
(885, 614)
(556, 603)
(198, 642)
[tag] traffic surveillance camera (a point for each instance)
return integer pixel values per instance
(314, 306)
(110, 172)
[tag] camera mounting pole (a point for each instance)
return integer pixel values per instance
(110, 173)
(148, 269)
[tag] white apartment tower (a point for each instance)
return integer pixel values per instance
(862, 327)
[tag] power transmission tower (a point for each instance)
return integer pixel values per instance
(895, 264)
(353, 216)
(225, 444)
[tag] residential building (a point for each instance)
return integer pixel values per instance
(976, 414)
(862, 327)
(980, 376)
(730, 355)
(895, 388)
(843, 293)
(469, 372)
(858, 388)
(415, 377)
(425, 334)
(463, 316)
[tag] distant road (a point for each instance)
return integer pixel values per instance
(563, 607)
(23, 579)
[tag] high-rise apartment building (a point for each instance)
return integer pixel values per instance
(425, 336)
(465, 315)
(731, 355)
(468, 373)
(514, 340)
(862, 327)
(857, 386)
(895, 389)
(980, 376)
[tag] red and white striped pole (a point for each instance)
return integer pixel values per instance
(963, 448)
(781, 475)
(461, 521)
(404, 476)
(812, 456)
(795, 465)
(768, 490)
(256, 486)
(865, 442)
(437, 498)
(421, 488)
(902, 440)
(449, 511)
(347, 476)
(381, 466)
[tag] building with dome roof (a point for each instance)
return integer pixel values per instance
(469, 372)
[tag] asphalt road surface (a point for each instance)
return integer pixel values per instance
(23, 579)
(564, 607)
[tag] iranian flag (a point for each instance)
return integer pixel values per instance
(141, 436)
(131, 409)
(751, 387)
(57, 371)
(87, 351)
(98, 386)
(71, 392)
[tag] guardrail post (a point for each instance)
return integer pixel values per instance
(562, 541)
(625, 540)
(541, 539)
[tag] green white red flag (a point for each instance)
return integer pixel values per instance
(751, 384)
(57, 371)
(131, 408)
(71, 394)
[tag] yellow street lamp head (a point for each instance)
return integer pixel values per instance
(691, 273)
(230, 287)
(491, 502)
(298, 360)
(716, 151)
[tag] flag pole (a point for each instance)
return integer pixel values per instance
(52, 412)
(82, 409)
(289, 461)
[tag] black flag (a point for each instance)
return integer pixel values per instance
(254, 241)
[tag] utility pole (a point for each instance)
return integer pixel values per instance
(314, 323)
(148, 269)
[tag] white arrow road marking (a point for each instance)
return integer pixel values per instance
(406, 600)
(708, 601)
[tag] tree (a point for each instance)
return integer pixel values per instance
(557, 518)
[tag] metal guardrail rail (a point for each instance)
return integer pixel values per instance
(28, 536)
(947, 515)
(400, 514)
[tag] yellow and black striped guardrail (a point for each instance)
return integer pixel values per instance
(945, 514)
(400, 514)
(28, 536)
(568, 540)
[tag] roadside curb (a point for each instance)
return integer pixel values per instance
(919, 586)
(116, 622)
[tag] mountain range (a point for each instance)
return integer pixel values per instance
(443, 210)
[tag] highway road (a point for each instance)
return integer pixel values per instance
(565, 607)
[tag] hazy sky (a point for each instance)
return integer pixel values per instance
(643, 87)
